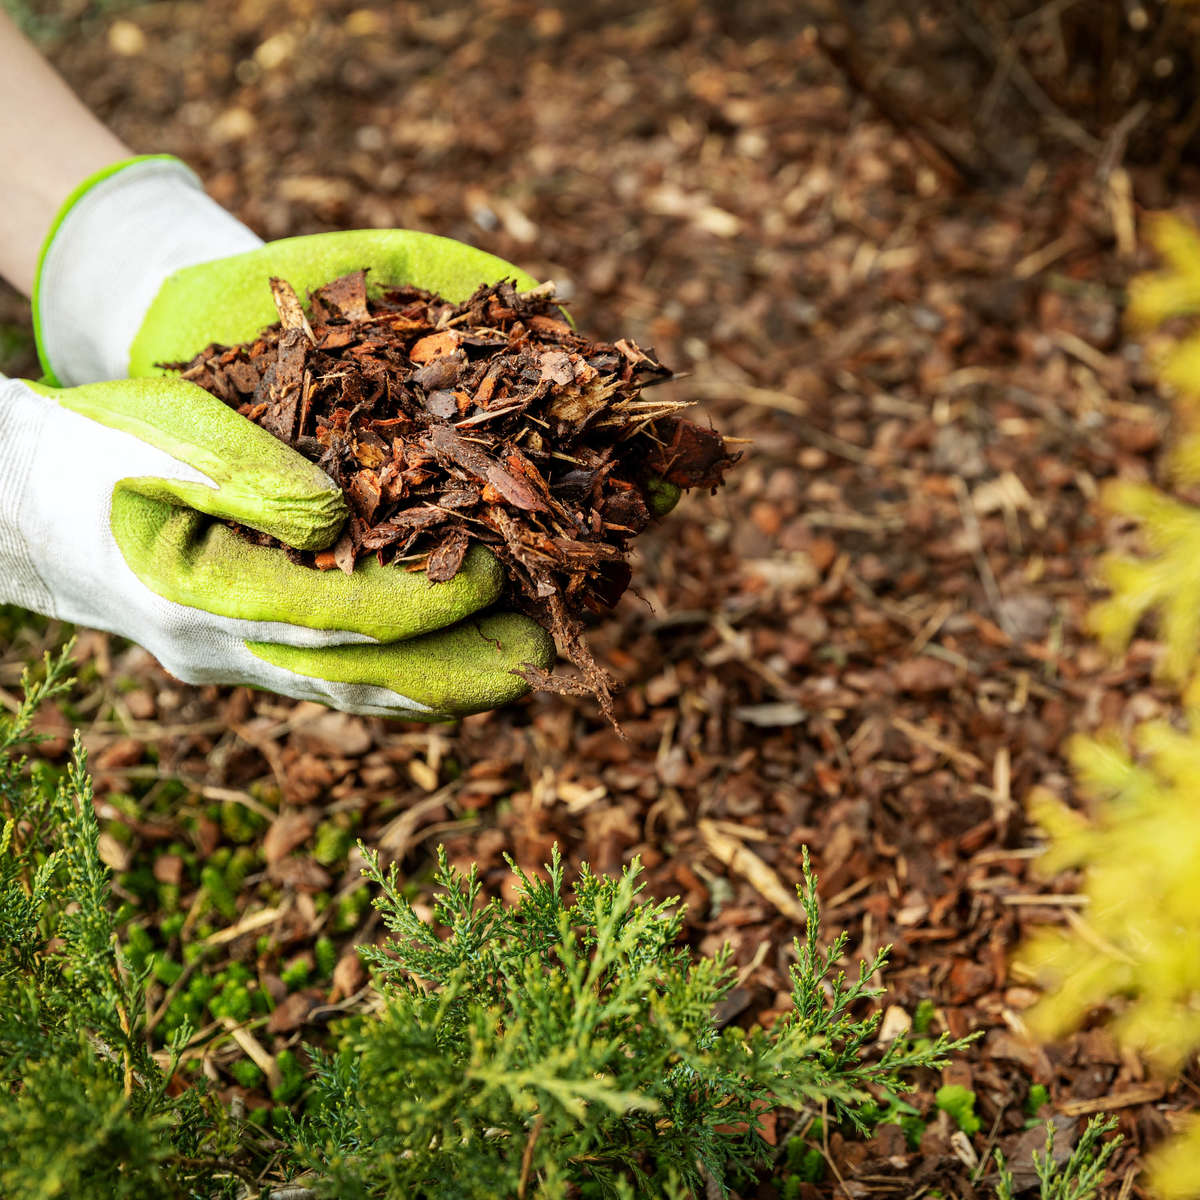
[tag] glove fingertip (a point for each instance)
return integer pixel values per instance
(305, 520)
(468, 668)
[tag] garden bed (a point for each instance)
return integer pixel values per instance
(869, 642)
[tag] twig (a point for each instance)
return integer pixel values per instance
(248, 924)
(930, 142)
(123, 1018)
(825, 1145)
(1140, 1093)
(255, 1050)
(986, 1157)
(987, 577)
(397, 835)
(985, 41)
(939, 745)
(527, 1155)
(1035, 263)
(738, 858)
(1114, 145)
(1127, 1183)
(217, 1164)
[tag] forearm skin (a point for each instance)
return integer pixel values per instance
(49, 143)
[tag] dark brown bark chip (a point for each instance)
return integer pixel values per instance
(447, 556)
(345, 297)
(404, 524)
(460, 495)
(437, 375)
(365, 493)
(693, 457)
(446, 444)
(243, 375)
(491, 421)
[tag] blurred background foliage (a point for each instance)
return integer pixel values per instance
(1135, 951)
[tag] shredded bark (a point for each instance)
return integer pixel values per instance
(490, 422)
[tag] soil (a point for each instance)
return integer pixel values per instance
(870, 642)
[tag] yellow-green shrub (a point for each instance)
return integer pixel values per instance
(1138, 947)
(1167, 581)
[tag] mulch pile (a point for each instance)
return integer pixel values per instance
(871, 641)
(488, 422)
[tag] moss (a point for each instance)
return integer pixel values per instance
(246, 1073)
(296, 975)
(1038, 1098)
(326, 955)
(959, 1103)
(293, 1078)
(332, 844)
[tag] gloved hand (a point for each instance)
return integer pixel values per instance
(109, 490)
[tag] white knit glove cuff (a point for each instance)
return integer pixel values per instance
(22, 418)
(109, 254)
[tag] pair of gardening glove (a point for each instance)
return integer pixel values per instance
(117, 480)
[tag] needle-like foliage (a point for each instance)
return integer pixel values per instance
(83, 1109)
(568, 1042)
(564, 1045)
(1078, 1177)
(1136, 948)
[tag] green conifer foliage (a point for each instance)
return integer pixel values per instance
(564, 1045)
(83, 1109)
(1077, 1175)
(567, 1040)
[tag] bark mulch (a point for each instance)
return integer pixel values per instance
(491, 422)
(869, 642)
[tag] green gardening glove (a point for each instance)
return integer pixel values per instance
(107, 515)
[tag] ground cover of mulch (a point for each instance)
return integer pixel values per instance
(869, 643)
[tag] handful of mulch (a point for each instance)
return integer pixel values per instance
(491, 421)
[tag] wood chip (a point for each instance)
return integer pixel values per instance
(738, 858)
(291, 314)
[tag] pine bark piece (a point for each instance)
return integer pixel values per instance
(694, 457)
(446, 443)
(345, 297)
(447, 556)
